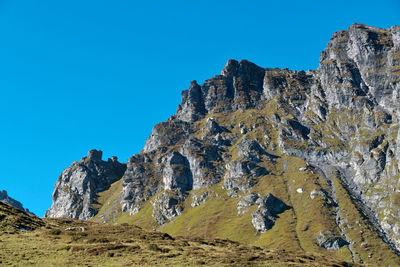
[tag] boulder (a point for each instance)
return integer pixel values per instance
(330, 241)
(269, 207)
(213, 127)
(246, 202)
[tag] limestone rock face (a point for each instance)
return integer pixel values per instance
(240, 85)
(140, 182)
(242, 174)
(77, 187)
(168, 205)
(265, 140)
(192, 107)
(355, 97)
(176, 173)
(197, 200)
(341, 118)
(166, 134)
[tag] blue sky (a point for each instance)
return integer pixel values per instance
(77, 75)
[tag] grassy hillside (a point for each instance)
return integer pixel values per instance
(13, 220)
(67, 242)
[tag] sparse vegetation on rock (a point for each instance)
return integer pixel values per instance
(301, 161)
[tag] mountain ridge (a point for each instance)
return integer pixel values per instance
(5, 198)
(324, 140)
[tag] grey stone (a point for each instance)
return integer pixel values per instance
(246, 202)
(192, 107)
(140, 182)
(269, 207)
(262, 220)
(341, 118)
(77, 187)
(172, 132)
(95, 155)
(168, 205)
(330, 241)
(315, 193)
(233, 192)
(176, 173)
(242, 174)
(250, 149)
(197, 200)
(213, 127)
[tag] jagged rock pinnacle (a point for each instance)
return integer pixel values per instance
(77, 187)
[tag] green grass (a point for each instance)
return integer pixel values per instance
(127, 245)
(216, 218)
(108, 202)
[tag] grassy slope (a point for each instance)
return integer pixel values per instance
(109, 203)
(12, 219)
(67, 242)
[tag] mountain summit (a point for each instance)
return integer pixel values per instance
(301, 160)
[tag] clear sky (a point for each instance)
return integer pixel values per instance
(77, 75)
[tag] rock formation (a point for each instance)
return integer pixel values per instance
(76, 189)
(274, 144)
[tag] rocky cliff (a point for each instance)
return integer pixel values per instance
(77, 187)
(294, 159)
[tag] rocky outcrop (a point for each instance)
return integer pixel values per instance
(341, 118)
(213, 127)
(239, 86)
(140, 182)
(172, 132)
(76, 189)
(242, 175)
(243, 172)
(176, 173)
(246, 202)
(269, 207)
(197, 200)
(5, 198)
(168, 205)
(351, 114)
(330, 241)
(238, 129)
